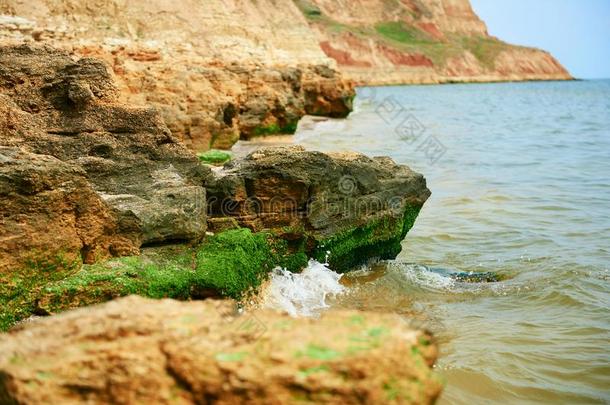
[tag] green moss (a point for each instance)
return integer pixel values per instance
(381, 238)
(318, 353)
(290, 256)
(276, 128)
(377, 332)
(391, 389)
(18, 293)
(313, 370)
(424, 341)
(356, 320)
(233, 262)
(269, 129)
(238, 356)
(214, 156)
(290, 127)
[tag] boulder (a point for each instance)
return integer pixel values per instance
(52, 104)
(136, 350)
(50, 214)
(343, 208)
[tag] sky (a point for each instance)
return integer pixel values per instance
(576, 32)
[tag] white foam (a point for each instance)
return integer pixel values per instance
(421, 275)
(302, 294)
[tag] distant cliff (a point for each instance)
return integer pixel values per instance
(420, 41)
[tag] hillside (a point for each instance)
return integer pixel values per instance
(420, 41)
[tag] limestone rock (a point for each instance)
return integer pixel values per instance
(55, 105)
(344, 205)
(135, 350)
(49, 213)
(218, 71)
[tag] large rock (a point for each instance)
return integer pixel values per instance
(55, 105)
(342, 207)
(135, 350)
(218, 70)
(51, 215)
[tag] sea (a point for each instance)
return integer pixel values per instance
(520, 181)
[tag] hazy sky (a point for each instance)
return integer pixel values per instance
(576, 32)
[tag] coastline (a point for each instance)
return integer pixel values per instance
(122, 212)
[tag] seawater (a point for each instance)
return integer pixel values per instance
(520, 181)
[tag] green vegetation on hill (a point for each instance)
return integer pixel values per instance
(401, 32)
(408, 38)
(484, 49)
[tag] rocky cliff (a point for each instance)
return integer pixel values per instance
(217, 70)
(222, 70)
(420, 41)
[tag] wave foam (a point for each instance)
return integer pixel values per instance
(302, 294)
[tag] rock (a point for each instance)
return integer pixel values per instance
(218, 71)
(326, 94)
(472, 277)
(345, 205)
(51, 215)
(135, 350)
(69, 109)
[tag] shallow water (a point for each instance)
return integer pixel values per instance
(520, 180)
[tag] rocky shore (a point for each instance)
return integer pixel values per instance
(99, 199)
(228, 70)
(217, 71)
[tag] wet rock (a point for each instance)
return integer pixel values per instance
(344, 207)
(55, 105)
(472, 277)
(135, 350)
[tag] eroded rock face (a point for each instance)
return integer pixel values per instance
(218, 71)
(421, 41)
(344, 205)
(50, 214)
(135, 350)
(53, 105)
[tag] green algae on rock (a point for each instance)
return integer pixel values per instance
(230, 264)
(214, 157)
(343, 207)
(378, 239)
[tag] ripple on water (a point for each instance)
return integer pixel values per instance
(522, 190)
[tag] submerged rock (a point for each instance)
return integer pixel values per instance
(473, 277)
(135, 350)
(342, 207)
